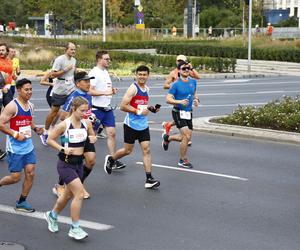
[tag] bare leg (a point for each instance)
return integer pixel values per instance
(51, 116)
(145, 146)
(28, 181)
(111, 139)
(126, 150)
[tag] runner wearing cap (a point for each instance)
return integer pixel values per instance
(172, 77)
(183, 96)
(82, 81)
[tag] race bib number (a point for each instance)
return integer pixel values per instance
(186, 115)
(77, 135)
(26, 131)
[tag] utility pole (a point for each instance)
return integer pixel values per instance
(103, 22)
(190, 19)
(249, 35)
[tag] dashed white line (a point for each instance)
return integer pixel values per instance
(61, 219)
(197, 171)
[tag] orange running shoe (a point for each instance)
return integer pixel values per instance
(167, 127)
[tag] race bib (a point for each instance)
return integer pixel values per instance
(26, 131)
(69, 81)
(141, 108)
(77, 135)
(186, 115)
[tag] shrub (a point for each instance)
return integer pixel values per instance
(279, 115)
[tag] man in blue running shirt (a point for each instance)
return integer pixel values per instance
(183, 96)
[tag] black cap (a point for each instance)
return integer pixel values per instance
(82, 75)
(181, 64)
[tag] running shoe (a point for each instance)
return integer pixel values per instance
(185, 163)
(190, 143)
(77, 233)
(86, 194)
(2, 154)
(58, 190)
(101, 135)
(52, 222)
(44, 138)
(24, 207)
(167, 127)
(165, 141)
(151, 183)
(118, 165)
(108, 164)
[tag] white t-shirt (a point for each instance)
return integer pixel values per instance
(102, 82)
(67, 86)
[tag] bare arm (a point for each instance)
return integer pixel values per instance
(170, 78)
(54, 134)
(95, 92)
(171, 100)
(91, 132)
(45, 79)
(8, 112)
(130, 93)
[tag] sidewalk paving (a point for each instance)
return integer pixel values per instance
(204, 124)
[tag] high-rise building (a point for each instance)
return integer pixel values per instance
(293, 6)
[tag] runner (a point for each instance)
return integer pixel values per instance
(182, 95)
(172, 77)
(136, 127)
(74, 132)
(82, 81)
(2, 84)
(102, 92)
(63, 70)
(21, 155)
(6, 66)
(16, 68)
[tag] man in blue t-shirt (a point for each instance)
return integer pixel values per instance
(183, 96)
(82, 81)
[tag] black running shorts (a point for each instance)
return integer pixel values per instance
(130, 134)
(180, 123)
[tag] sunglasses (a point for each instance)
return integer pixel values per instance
(185, 68)
(106, 59)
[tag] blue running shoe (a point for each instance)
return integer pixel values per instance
(44, 138)
(185, 163)
(24, 207)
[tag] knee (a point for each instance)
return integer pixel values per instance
(90, 162)
(30, 175)
(146, 151)
(128, 151)
(111, 134)
(79, 195)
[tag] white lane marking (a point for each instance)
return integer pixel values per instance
(245, 84)
(61, 219)
(237, 80)
(196, 171)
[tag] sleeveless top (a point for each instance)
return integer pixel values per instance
(139, 101)
(21, 123)
(74, 137)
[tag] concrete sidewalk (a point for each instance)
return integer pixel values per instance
(204, 124)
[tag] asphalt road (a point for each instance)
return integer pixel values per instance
(241, 194)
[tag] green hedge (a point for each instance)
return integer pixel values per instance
(192, 49)
(87, 60)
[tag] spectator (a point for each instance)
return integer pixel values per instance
(269, 30)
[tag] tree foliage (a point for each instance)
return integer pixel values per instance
(158, 13)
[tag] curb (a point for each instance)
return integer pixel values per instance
(34, 75)
(203, 124)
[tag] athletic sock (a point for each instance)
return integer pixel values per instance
(148, 175)
(53, 214)
(22, 199)
(86, 172)
(75, 224)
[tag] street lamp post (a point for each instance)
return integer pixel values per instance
(103, 22)
(249, 35)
